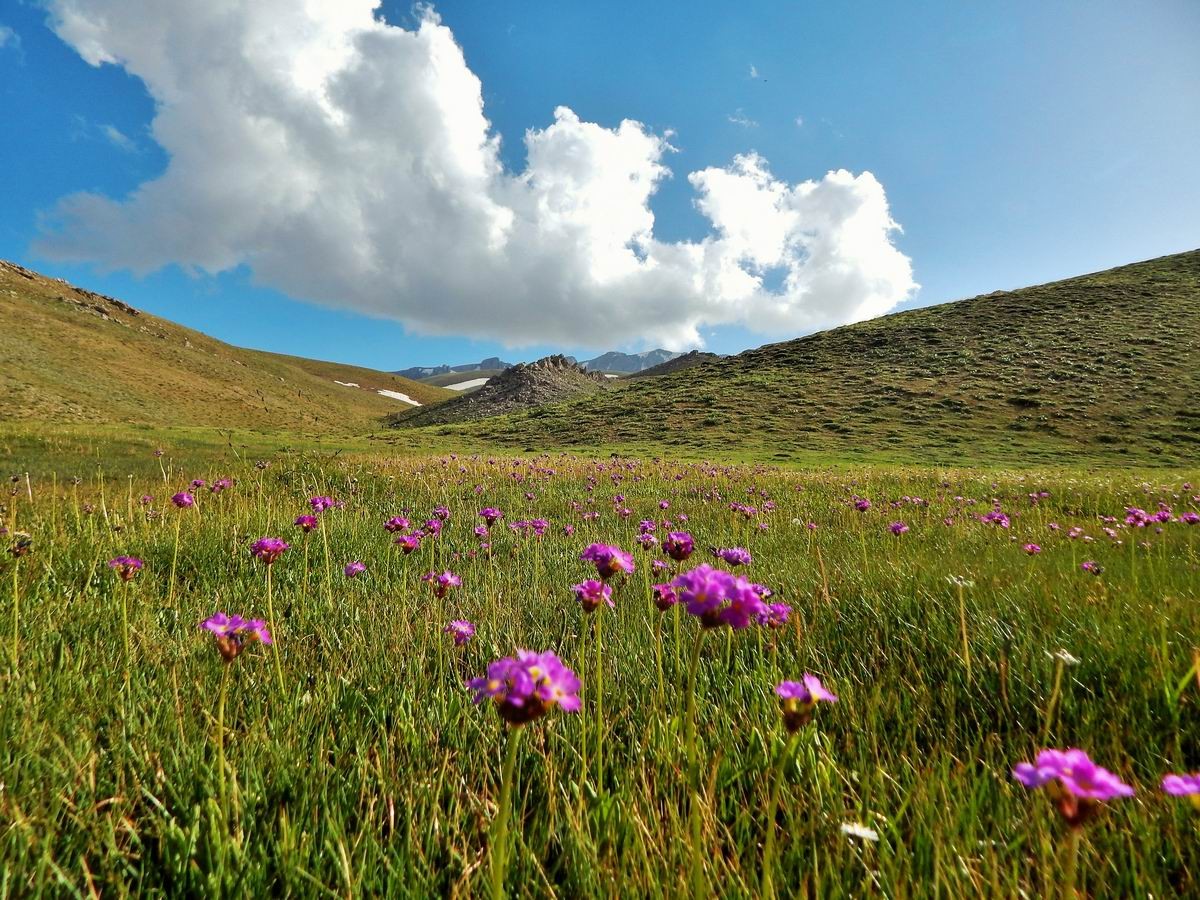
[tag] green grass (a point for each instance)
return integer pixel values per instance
(71, 357)
(372, 774)
(1097, 369)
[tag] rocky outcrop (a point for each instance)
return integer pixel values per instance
(553, 379)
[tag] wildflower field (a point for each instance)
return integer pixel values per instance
(302, 675)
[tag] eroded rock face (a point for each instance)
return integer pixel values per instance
(552, 379)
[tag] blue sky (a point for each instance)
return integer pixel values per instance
(1016, 143)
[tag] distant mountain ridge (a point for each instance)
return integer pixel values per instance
(629, 362)
(613, 361)
(419, 372)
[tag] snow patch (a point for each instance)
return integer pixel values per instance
(396, 395)
(467, 385)
(346, 383)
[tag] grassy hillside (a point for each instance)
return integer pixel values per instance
(1097, 368)
(74, 356)
(450, 378)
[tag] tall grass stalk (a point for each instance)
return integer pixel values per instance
(498, 845)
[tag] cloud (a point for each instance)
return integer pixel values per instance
(118, 138)
(740, 118)
(9, 38)
(349, 162)
(753, 71)
(799, 120)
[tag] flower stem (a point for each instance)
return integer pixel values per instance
(658, 639)
(599, 687)
(1055, 696)
(174, 560)
(499, 842)
(1072, 862)
(125, 628)
(689, 726)
(962, 618)
(274, 633)
(224, 791)
(328, 568)
(768, 860)
(16, 617)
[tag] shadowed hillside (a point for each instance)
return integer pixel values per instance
(71, 355)
(679, 363)
(1101, 367)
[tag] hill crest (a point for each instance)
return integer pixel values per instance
(75, 355)
(1100, 366)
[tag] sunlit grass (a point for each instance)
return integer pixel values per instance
(372, 773)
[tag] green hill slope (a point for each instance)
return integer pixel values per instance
(459, 377)
(73, 356)
(1101, 367)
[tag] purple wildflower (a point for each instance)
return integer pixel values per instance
(718, 598)
(354, 569)
(1183, 786)
(320, 504)
(306, 523)
(269, 549)
(234, 634)
(678, 545)
(1078, 785)
(734, 556)
(408, 542)
(774, 615)
(126, 567)
(183, 500)
(460, 630)
(1032, 549)
(442, 583)
(798, 699)
(592, 593)
(898, 528)
(490, 515)
(395, 524)
(664, 597)
(527, 686)
(607, 559)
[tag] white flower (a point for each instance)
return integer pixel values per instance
(1063, 655)
(853, 829)
(959, 581)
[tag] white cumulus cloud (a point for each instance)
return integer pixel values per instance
(349, 162)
